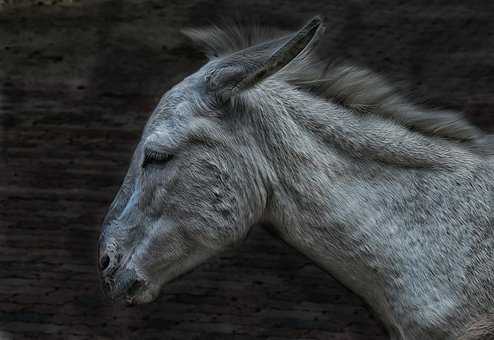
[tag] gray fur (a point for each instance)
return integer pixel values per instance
(480, 329)
(354, 87)
(394, 201)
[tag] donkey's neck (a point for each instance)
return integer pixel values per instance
(320, 190)
(364, 217)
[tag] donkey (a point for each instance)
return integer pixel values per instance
(392, 199)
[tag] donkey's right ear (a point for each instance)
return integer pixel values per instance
(244, 69)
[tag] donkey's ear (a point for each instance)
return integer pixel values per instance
(244, 69)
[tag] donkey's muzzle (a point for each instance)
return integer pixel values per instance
(108, 264)
(117, 281)
(108, 257)
(124, 284)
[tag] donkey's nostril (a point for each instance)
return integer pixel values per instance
(104, 262)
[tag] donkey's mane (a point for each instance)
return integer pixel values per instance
(357, 88)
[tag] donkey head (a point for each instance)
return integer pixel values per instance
(197, 180)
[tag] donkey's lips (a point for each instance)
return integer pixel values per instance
(125, 283)
(142, 295)
(133, 295)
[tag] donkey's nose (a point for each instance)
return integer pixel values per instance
(108, 262)
(108, 265)
(108, 257)
(104, 262)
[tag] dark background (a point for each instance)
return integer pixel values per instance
(77, 82)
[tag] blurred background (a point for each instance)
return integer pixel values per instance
(78, 80)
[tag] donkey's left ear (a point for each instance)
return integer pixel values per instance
(246, 68)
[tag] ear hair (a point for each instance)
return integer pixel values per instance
(308, 35)
(233, 35)
(243, 69)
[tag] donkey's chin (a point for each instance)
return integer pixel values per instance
(146, 293)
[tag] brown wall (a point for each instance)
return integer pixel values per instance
(77, 81)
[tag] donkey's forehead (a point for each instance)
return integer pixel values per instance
(177, 103)
(192, 92)
(180, 112)
(188, 90)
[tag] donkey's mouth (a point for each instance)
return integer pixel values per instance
(135, 287)
(141, 293)
(127, 286)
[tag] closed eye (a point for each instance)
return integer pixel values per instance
(154, 157)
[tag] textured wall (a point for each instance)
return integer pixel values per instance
(77, 81)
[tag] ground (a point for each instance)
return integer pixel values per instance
(78, 80)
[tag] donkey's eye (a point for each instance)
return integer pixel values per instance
(154, 157)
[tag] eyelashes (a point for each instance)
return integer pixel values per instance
(154, 157)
